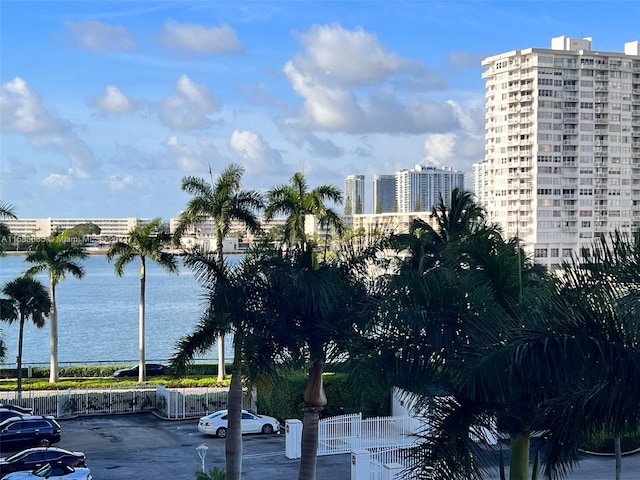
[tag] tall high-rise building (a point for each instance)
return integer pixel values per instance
(354, 194)
(384, 194)
(420, 189)
(562, 160)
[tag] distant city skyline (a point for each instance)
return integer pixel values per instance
(105, 106)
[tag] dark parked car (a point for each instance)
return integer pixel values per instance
(28, 431)
(6, 413)
(33, 458)
(17, 408)
(151, 369)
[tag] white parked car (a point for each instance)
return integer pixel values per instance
(52, 472)
(216, 424)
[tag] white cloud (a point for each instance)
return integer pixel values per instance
(185, 157)
(255, 153)
(471, 119)
(118, 182)
(22, 111)
(99, 37)
(348, 57)
(200, 39)
(114, 101)
(350, 83)
(189, 108)
(439, 147)
(58, 181)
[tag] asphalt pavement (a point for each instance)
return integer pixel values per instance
(144, 447)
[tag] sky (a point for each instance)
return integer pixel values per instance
(105, 106)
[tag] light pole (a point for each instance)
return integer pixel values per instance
(202, 452)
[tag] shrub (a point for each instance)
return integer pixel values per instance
(602, 443)
(285, 399)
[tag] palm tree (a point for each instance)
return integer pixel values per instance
(234, 302)
(295, 201)
(6, 211)
(586, 343)
(25, 297)
(458, 293)
(317, 306)
(428, 242)
(224, 202)
(58, 257)
(143, 242)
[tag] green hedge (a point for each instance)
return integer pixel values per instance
(285, 400)
(94, 371)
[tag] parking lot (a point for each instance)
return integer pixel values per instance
(144, 447)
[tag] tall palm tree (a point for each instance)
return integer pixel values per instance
(460, 274)
(223, 201)
(233, 302)
(24, 297)
(58, 257)
(143, 242)
(317, 306)
(296, 201)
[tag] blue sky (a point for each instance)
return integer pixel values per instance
(106, 106)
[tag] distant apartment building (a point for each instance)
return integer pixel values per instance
(562, 160)
(204, 233)
(420, 189)
(387, 223)
(384, 194)
(354, 194)
(45, 227)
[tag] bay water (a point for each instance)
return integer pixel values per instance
(98, 314)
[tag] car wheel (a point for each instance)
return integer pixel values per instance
(267, 429)
(44, 442)
(221, 432)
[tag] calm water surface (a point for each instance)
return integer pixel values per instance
(98, 314)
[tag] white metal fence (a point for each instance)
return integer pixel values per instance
(191, 402)
(346, 433)
(168, 403)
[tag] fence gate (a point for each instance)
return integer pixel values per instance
(338, 434)
(346, 433)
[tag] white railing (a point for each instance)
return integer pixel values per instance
(190, 402)
(167, 403)
(346, 433)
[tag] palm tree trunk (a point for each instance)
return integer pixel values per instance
(53, 336)
(19, 359)
(233, 444)
(220, 261)
(618, 451)
(221, 359)
(519, 462)
(141, 357)
(314, 401)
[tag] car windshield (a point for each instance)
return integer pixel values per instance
(15, 456)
